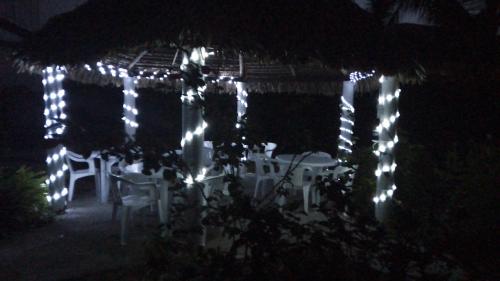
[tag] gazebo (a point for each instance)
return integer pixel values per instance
(232, 47)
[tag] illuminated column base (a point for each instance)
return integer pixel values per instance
(129, 109)
(388, 114)
(56, 177)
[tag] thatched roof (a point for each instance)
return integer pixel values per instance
(287, 45)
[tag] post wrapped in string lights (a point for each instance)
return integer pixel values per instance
(193, 125)
(387, 112)
(346, 120)
(53, 96)
(130, 111)
(241, 106)
(347, 113)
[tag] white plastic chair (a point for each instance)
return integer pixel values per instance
(131, 195)
(75, 174)
(269, 148)
(264, 175)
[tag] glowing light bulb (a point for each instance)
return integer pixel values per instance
(382, 197)
(56, 196)
(378, 172)
(382, 148)
(390, 192)
(386, 123)
(64, 192)
(390, 144)
(393, 166)
(375, 199)
(381, 79)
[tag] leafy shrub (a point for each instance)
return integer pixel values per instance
(449, 202)
(23, 200)
(266, 243)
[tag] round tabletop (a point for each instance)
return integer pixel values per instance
(311, 160)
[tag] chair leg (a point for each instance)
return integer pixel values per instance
(124, 224)
(113, 214)
(72, 181)
(306, 189)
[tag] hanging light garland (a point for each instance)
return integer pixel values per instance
(356, 76)
(387, 140)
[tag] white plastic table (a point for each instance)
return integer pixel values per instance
(312, 161)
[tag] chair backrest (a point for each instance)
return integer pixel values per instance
(72, 157)
(131, 182)
(208, 144)
(269, 148)
(212, 183)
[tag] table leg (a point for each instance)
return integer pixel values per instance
(163, 202)
(104, 181)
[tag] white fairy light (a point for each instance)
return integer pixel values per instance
(56, 196)
(64, 191)
(342, 119)
(346, 130)
(393, 167)
(382, 197)
(386, 123)
(390, 144)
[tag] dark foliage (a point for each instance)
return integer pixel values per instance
(23, 200)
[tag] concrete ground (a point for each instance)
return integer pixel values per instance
(82, 244)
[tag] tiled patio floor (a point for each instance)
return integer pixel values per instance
(82, 244)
